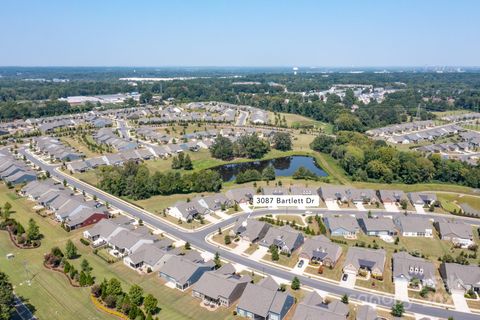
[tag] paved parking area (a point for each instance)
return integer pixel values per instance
(401, 290)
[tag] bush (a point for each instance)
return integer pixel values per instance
(85, 242)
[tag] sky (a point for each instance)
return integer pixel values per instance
(340, 33)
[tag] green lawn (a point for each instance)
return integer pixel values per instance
(453, 200)
(52, 295)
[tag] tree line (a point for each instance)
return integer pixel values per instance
(365, 159)
(135, 181)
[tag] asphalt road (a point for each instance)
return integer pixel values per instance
(197, 239)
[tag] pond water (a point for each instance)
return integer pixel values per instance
(284, 167)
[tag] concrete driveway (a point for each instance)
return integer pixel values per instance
(300, 270)
(211, 219)
(259, 253)
(350, 282)
(459, 301)
(391, 207)
(401, 290)
(360, 206)
(242, 245)
(245, 207)
(419, 208)
(332, 205)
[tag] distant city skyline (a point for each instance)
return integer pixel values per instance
(247, 33)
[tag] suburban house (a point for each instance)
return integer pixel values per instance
(460, 277)
(186, 211)
(369, 260)
(363, 196)
(392, 196)
(377, 226)
(274, 191)
(182, 271)
(102, 232)
(407, 267)
(127, 242)
(264, 301)
(303, 191)
(314, 307)
(251, 230)
(322, 250)
(222, 287)
(241, 195)
(366, 312)
(148, 257)
(214, 202)
(458, 232)
(346, 226)
(422, 198)
(285, 238)
(334, 193)
(411, 226)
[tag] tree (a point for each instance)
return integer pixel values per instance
(398, 309)
(274, 252)
(348, 122)
(217, 261)
(136, 295)
(268, 173)
(33, 232)
(222, 148)
(282, 141)
(227, 239)
(6, 297)
(187, 246)
(345, 299)
(70, 250)
(323, 143)
(146, 97)
(150, 304)
(86, 266)
(295, 284)
(7, 207)
(187, 163)
(114, 287)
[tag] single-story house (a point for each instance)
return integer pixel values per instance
(222, 287)
(251, 230)
(241, 195)
(458, 232)
(460, 277)
(369, 260)
(422, 198)
(392, 196)
(377, 226)
(314, 307)
(264, 301)
(322, 250)
(285, 238)
(342, 225)
(407, 267)
(183, 272)
(412, 226)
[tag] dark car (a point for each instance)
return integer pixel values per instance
(345, 277)
(300, 264)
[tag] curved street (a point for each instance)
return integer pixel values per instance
(198, 239)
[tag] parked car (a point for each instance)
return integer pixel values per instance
(300, 264)
(345, 277)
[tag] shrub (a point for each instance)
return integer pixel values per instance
(85, 242)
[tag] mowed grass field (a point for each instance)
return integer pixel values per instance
(51, 294)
